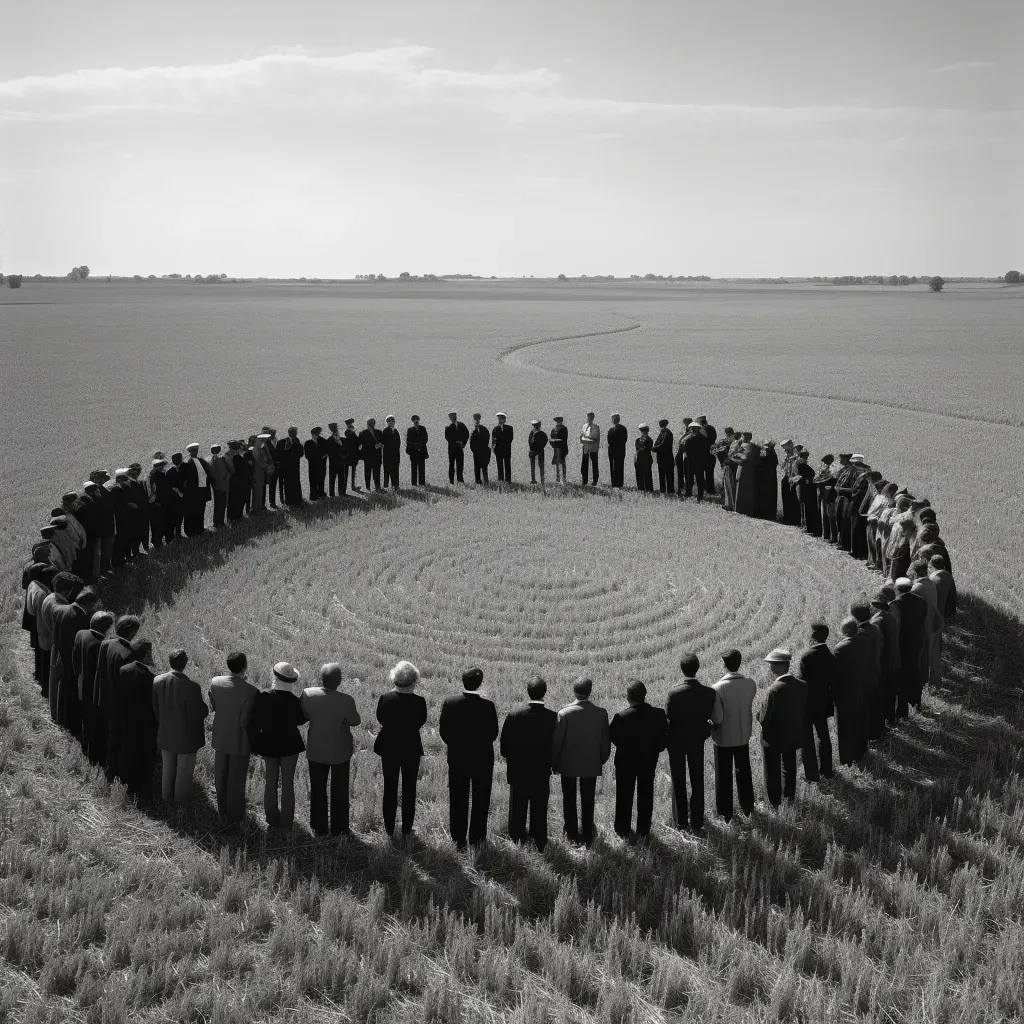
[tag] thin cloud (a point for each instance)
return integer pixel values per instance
(963, 65)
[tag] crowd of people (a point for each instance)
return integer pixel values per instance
(99, 676)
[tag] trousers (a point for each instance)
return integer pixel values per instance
(779, 774)
(687, 813)
(728, 760)
(337, 476)
(418, 465)
(616, 465)
(371, 470)
(630, 780)
(579, 821)
(320, 821)
(279, 790)
(666, 477)
(456, 464)
(229, 774)
(817, 759)
(469, 803)
(391, 467)
(589, 460)
(481, 461)
(529, 797)
(504, 462)
(176, 772)
(408, 769)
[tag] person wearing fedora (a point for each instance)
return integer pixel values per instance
(732, 723)
(536, 442)
(232, 697)
(332, 715)
(501, 441)
(416, 438)
(274, 736)
(401, 713)
(782, 727)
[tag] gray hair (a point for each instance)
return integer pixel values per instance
(405, 674)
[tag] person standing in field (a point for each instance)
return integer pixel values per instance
(68, 621)
(536, 442)
(274, 735)
(639, 735)
(817, 668)
(290, 451)
(468, 727)
(416, 448)
(912, 611)
(694, 460)
(315, 463)
(643, 459)
(663, 453)
(852, 656)
(501, 441)
(353, 448)
(688, 711)
(262, 472)
(39, 588)
(732, 724)
(526, 737)
(275, 485)
(174, 513)
(922, 585)
(401, 713)
(84, 658)
(559, 448)
(391, 453)
(480, 446)
(782, 726)
(845, 485)
(332, 716)
(945, 593)
(232, 698)
(457, 436)
(579, 748)
(65, 589)
(180, 713)
(807, 494)
(590, 440)
(712, 435)
(105, 524)
(767, 482)
(746, 460)
(825, 482)
(618, 435)
(114, 652)
(136, 750)
(875, 643)
(138, 506)
(371, 447)
(220, 481)
(337, 462)
(196, 472)
(885, 619)
(721, 451)
(238, 480)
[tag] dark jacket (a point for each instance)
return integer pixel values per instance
(84, 656)
(105, 517)
(274, 724)
(817, 668)
(663, 445)
(696, 449)
(782, 714)
(616, 437)
(290, 453)
(368, 441)
(180, 713)
(644, 446)
(559, 438)
(688, 710)
(480, 440)
(457, 435)
(392, 440)
(639, 733)
(526, 736)
(313, 451)
(537, 441)
(416, 438)
(469, 727)
(501, 439)
(401, 716)
(114, 652)
(134, 695)
(68, 620)
(913, 610)
(852, 655)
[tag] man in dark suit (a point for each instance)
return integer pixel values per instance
(817, 668)
(664, 445)
(391, 453)
(68, 620)
(468, 727)
(617, 437)
(133, 691)
(579, 749)
(196, 474)
(912, 610)
(852, 655)
(782, 727)
(316, 464)
(337, 462)
(883, 708)
(113, 653)
(84, 656)
(353, 448)
(501, 442)
(526, 736)
(480, 446)
(688, 711)
(290, 451)
(639, 733)
(695, 448)
(712, 435)
(371, 449)
(174, 511)
(275, 484)
(416, 438)
(457, 436)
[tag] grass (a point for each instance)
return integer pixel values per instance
(891, 894)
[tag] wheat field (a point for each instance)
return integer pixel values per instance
(890, 894)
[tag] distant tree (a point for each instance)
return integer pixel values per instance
(14, 280)
(1, 280)
(136, 277)
(174, 277)
(381, 277)
(404, 275)
(561, 277)
(213, 278)
(152, 277)
(223, 277)
(1012, 277)
(936, 284)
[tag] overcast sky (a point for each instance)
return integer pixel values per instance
(330, 139)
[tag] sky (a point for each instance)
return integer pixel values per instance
(334, 139)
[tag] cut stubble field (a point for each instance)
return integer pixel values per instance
(889, 894)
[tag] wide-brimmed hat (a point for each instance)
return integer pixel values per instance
(778, 656)
(286, 673)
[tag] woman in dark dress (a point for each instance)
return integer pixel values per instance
(274, 734)
(768, 482)
(401, 714)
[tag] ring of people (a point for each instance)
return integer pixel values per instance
(98, 674)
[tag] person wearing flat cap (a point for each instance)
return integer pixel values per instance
(337, 462)
(416, 448)
(559, 448)
(480, 446)
(663, 448)
(536, 442)
(353, 448)
(644, 459)
(315, 450)
(693, 460)
(121, 495)
(782, 727)
(159, 499)
(180, 713)
(712, 435)
(456, 434)
(220, 482)
(391, 453)
(501, 441)
(590, 440)
(468, 727)
(371, 449)
(816, 666)
(274, 736)
(105, 526)
(845, 487)
(618, 435)
(767, 477)
(912, 611)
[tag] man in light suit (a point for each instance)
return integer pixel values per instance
(579, 748)
(732, 723)
(232, 697)
(526, 737)
(468, 727)
(332, 715)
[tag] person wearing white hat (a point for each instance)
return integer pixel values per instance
(536, 442)
(643, 460)
(501, 441)
(590, 440)
(782, 727)
(274, 733)
(332, 715)
(401, 713)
